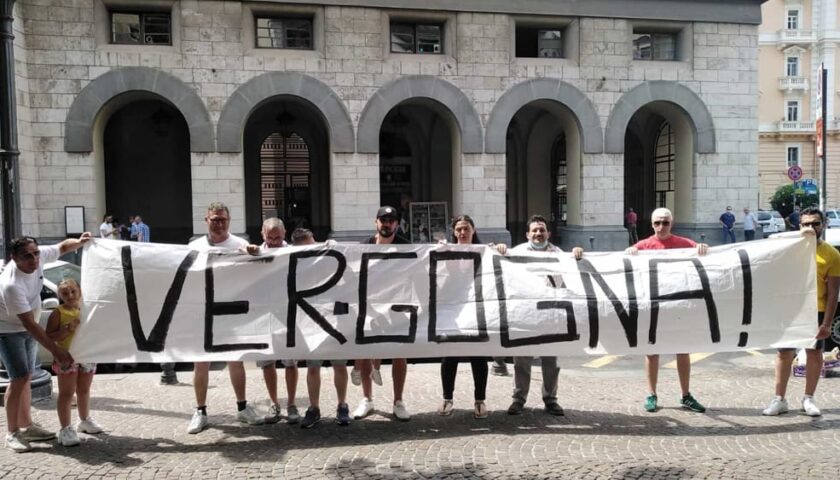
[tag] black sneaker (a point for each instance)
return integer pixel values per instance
(554, 408)
(312, 417)
(516, 408)
(342, 414)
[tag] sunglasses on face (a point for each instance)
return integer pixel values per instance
(811, 224)
(661, 222)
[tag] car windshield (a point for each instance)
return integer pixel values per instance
(65, 270)
(764, 216)
(777, 214)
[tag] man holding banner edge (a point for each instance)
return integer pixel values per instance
(811, 222)
(662, 220)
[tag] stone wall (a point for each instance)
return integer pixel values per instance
(59, 54)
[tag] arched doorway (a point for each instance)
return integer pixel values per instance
(147, 168)
(416, 167)
(658, 163)
(543, 165)
(287, 167)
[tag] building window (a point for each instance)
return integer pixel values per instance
(416, 38)
(792, 156)
(793, 19)
(284, 32)
(654, 46)
(135, 28)
(539, 42)
(792, 66)
(792, 113)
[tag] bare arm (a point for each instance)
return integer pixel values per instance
(73, 244)
(577, 252)
(832, 284)
(38, 333)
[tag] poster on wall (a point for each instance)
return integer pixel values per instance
(429, 221)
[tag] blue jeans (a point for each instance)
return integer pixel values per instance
(728, 235)
(19, 353)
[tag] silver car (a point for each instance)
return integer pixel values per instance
(771, 221)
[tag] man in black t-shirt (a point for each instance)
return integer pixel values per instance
(387, 222)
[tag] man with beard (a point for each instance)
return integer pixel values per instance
(387, 221)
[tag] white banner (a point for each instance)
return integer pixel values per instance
(146, 302)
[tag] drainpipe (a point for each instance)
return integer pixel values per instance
(9, 154)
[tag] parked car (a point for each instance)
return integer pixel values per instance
(771, 221)
(832, 218)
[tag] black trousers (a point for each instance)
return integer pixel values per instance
(449, 369)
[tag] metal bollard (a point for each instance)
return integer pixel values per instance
(702, 238)
(591, 243)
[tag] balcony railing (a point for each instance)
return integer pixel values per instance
(796, 36)
(793, 83)
(786, 126)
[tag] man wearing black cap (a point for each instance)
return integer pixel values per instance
(387, 222)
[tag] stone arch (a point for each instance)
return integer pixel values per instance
(513, 100)
(80, 121)
(419, 86)
(660, 91)
(268, 85)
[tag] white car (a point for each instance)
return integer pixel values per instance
(771, 221)
(832, 218)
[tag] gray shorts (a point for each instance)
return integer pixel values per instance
(273, 363)
(318, 363)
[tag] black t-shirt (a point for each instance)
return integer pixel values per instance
(397, 240)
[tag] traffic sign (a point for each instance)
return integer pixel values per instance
(794, 172)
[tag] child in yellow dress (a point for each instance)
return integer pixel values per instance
(73, 378)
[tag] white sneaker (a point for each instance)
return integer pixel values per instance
(16, 443)
(809, 407)
(401, 412)
(273, 415)
(198, 423)
(777, 406)
(67, 437)
(376, 376)
(364, 409)
(356, 376)
(249, 416)
(90, 426)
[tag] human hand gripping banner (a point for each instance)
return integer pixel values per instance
(146, 302)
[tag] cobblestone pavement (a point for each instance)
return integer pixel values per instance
(605, 433)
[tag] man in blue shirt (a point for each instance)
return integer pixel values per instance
(143, 233)
(727, 222)
(793, 218)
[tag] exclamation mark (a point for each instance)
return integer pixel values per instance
(746, 317)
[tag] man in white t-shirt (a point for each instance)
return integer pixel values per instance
(219, 238)
(20, 306)
(106, 229)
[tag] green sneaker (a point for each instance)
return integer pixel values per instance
(690, 403)
(650, 403)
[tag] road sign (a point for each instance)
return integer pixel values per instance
(809, 186)
(794, 172)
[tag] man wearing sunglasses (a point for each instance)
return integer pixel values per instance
(662, 239)
(20, 306)
(811, 222)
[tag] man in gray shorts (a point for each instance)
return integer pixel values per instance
(303, 236)
(274, 234)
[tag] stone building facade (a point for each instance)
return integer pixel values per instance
(479, 124)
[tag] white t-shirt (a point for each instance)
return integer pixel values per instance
(202, 244)
(106, 230)
(265, 248)
(21, 292)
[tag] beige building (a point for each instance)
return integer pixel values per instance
(319, 112)
(795, 38)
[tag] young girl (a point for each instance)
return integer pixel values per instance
(73, 378)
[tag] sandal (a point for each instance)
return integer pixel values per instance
(480, 410)
(446, 409)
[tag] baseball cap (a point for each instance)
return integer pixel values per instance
(387, 211)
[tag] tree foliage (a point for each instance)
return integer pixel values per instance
(782, 200)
